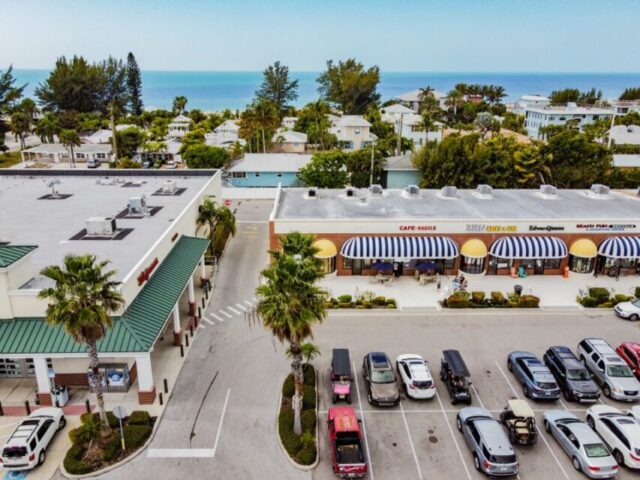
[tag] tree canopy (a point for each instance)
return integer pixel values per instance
(204, 156)
(562, 97)
(134, 85)
(277, 87)
(350, 86)
(325, 170)
(632, 93)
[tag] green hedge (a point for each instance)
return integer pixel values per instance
(308, 397)
(588, 302)
(477, 297)
(308, 419)
(111, 418)
(73, 462)
(111, 449)
(290, 441)
(458, 300)
(135, 435)
(344, 299)
(497, 298)
(307, 455)
(601, 294)
(309, 374)
(139, 417)
(288, 387)
(528, 301)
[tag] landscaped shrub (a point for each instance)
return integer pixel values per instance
(511, 304)
(290, 441)
(620, 297)
(391, 301)
(309, 374)
(528, 301)
(359, 307)
(288, 387)
(498, 298)
(308, 419)
(477, 297)
(379, 301)
(601, 294)
(637, 292)
(606, 305)
(458, 300)
(86, 432)
(345, 305)
(392, 306)
(588, 302)
(344, 299)
(73, 462)
(111, 449)
(308, 397)
(111, 419)
(135, 435)
(307, 455)
(367, 305)
(139, 417)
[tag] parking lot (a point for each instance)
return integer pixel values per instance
(419, 439)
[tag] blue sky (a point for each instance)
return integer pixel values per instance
(397, 35)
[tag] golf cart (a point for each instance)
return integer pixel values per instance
(518, 417)
(341, 375)
(454, 374)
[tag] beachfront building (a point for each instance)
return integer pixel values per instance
(267, 170)
(526, 101)
(288, 141)
(352, 131)
(399, 172)
(179, 126)
(58, 153)
(482, 231)
(224, 135)
(411, 124)
(624, 107)
(143, 222)
(539, 117)
(412, 99)
(289, 122)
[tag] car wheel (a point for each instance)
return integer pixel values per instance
(591, 422)
(349, 399)
(606, 390)
(333, 399)
(525, 390)
(583, 360)
(458, 424)
(62, 423)
(369, 399)
(567, 396)
(617, 454)
(510, 366)
(576, 464)
(41, 457)
(633, 317)
(547, 426)
(476, 462)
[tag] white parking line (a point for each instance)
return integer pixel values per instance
(540, 433)
(413, 448)
(364, 426)
(564, 405)
(201, 326)
(234, 310)
(477, 395)
(225, 313)
(224, 411)
(210, 322)
(241, 307)
(248, 303)
(455, 440)
(220, 319)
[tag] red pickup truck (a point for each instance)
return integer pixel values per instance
(346, 441)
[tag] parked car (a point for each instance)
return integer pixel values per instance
(620, 432)
(382, 389)
(609, 370)
(634, 412)
(455, 375)
(628, 310)
(492, 452)
(520, 422)
(341, 375)
(536, 379)
(630, 353)
(93, 163)
(585, 448)
(416, 377)
(572, 376)
(346, 441)
(26, 447)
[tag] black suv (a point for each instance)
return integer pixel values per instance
(572, 376)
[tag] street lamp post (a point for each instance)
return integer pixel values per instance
(373, 142)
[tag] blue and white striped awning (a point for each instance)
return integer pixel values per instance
(528, 247)
(399, 247)
(620, 247)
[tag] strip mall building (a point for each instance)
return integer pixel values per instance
(482, 231)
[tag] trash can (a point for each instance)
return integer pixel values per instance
(517, 289)
(60, 395)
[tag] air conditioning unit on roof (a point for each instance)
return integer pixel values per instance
(484, 191)
(548, 190)
(138, 205)
(375, 189)
(101, 226)
(449, 192)
(599, 189)
(169, 186)
(412, 190)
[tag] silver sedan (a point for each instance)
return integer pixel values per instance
(588, 453)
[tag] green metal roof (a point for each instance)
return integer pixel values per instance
(12, 253)
(135, 331)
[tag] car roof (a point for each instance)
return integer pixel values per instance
(455, 362)
(419, 371)
(633, 346)
(380, 360)
(340, 361)
(24, 431)
(583, 432)
(600, 345)
(629, 426)
(495, 440)
(565, 353)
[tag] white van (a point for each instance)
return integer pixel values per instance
(93, 163)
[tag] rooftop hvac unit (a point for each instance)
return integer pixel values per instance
(449, 192)
(169, 186)
(412, 190)
(484, 190)
(312, 193)
(599, 189)
(138, 205)
(548, 190)
(101, 226)
(350, 192)
(375, 189)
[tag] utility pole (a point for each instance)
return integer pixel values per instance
(399, 146)
(613, 118)
(371, 171)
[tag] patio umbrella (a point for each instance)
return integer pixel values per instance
(426, 266)
(383, 266)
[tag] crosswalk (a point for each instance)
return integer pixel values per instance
(227, 313)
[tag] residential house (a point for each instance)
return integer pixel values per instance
(267, 170)
(625, 134)
(411, 124)
(104, 135)
(170, 152)
(525, 101)
(289, 122)
(537, 117)
(412, 99)
(288, 141)
(179, 126)
(623, 107)
(624, 160)
(224, 135)
(353, 132)
(399, 172)
(58, 153)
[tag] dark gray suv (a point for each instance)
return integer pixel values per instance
(380, 378)
(572, 376)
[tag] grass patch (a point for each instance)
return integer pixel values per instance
(9, 159)
(301, 448)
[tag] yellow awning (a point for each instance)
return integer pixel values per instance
(584, 248)
(474, 249)
(326, 248)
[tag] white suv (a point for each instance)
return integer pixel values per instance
(620, 432)
(26, 447)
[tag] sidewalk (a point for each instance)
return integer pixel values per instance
(554, 291)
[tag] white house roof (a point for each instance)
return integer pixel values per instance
(534, 98)
(286, 120)
(414, 96)
(181, 119)
(99, 136)
(399, 162)
(396, 108)
(625, 134)
(226, 126)
(621, 160)
(569, 110)
(289, 136)
(271, 162)
(352, 121)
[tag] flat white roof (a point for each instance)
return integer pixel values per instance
(570, 110)
(271, 162)
(621, 160)
(25, 219)
(414, 95)
(59, 148)
(289, 136)
(351, 121)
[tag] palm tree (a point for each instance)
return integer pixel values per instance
(20, 126)
(308, 350)
(70, 139)
(455, 98)
(213, 218)
(179, 104)
(47, 127)
(267, 119)
(289, 303)
(81, 301)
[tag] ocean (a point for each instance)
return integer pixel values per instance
(211, 91)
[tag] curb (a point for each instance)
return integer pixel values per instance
(304, 468)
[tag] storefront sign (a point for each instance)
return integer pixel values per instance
(146, 273)
(482, 228)
(606, 227)
(417, 228)
(546, 228)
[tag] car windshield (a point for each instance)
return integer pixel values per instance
(580, 374)
(14, 452)
(594, 450)
(636, 303)
(382, 376)
(619, 371)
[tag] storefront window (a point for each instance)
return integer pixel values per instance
(620, 262)
(329, 265)
(528, 263)
(471, 265)
(347, 263)
(581, 265)
(552, 263)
